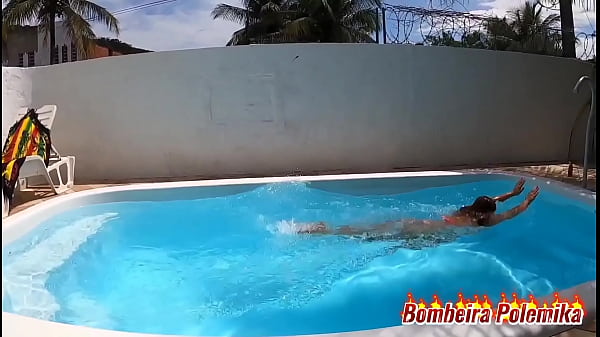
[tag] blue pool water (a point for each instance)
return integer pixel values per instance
(231, 265)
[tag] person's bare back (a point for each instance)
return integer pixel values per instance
(480, 213)
(409, 226)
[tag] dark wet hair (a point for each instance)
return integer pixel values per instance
(479, 210)
(484, 205)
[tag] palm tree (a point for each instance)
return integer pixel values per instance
(475, 39)
(260, 18)
(342, 21)
(282, 21)
(533, 32)
(4, 30)
(75, 15)
(526, 30)
(567, 25)
(500, 33)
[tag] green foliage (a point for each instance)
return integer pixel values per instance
(524, 30)
(119, 46)
(74, 14)
(474, 39)
(292, 21)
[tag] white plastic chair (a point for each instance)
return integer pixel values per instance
(34, 166)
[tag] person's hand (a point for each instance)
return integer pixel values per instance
(519, 187)
(533, 194)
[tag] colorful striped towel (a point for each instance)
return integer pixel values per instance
(28, 137)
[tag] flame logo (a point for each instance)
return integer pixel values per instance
(516, 302)
(436, 304)
(477, 302)
(533, 303)
(578, 304)
(484, 302)
(461, 303)
(487, 304)
(557, 300)
(410, 299)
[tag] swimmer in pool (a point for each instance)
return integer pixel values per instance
(482, 213)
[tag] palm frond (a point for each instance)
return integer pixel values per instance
(270, 7)
(20, 12)
(327, 8)
(299, 29)
(79, 31)
(283, 21)
(238, 37)
(94, 12)
(358, 5)
(365, 19)
(363, 37)
(44, 28)
(551, 21)
(230, 13)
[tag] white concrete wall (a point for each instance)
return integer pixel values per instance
(262, 110)
(16, 93)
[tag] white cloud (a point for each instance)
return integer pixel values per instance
(585, 21)
(178, 28)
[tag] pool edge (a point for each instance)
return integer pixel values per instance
(21, 326)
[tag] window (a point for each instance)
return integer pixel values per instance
(65, 54)
(55, 55)
(73, 52)
(31, 59)
(21, 60)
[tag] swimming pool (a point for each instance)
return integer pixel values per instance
(224, 260)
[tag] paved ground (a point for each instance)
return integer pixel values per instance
(588, 331)
(558, 172)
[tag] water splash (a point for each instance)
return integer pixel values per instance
(288, 227)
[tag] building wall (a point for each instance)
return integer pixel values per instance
(264, 110)
(22, 40)
(102, 52)
(33, 39)
(43, 46)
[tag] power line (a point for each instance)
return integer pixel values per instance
(137, 8)
(143, 6)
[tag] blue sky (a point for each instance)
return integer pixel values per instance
(186, 24)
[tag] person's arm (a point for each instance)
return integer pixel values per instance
(513, 212)
(516, 191)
